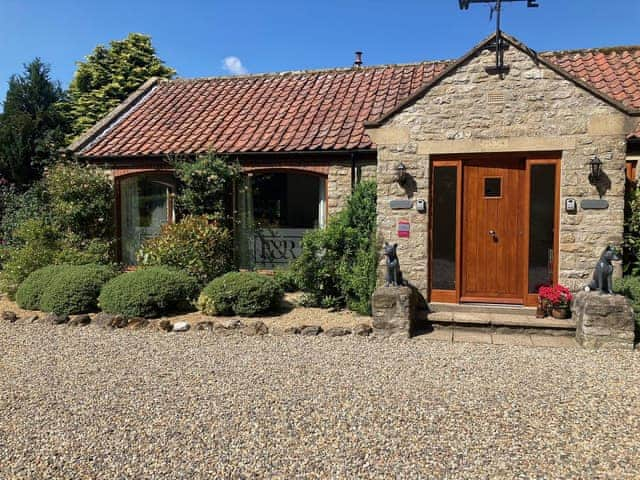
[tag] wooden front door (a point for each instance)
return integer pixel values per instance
(493, 227)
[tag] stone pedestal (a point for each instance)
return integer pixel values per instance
(604, 321)
(394, 310)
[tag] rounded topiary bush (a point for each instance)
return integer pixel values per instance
(75, 289)
(148, 292)
(30, 291)
(241, 293)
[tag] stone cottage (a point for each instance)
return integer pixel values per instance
(491, 182)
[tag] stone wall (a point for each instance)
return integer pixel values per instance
(339, 181)
(533, 109)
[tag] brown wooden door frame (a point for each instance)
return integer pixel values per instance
(530, 159)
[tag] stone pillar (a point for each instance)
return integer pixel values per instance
(604, 321)
(394, 310)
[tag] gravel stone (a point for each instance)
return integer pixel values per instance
(181, 327)
(204, 325)
(9, 316)
(292, 331)
(79, 320)
(337, 332)
(165, 325)
(31, 319)
(310, 330)
(87, 403)
(255, 328)
(363, 330)
(138, 323)
(54, 319)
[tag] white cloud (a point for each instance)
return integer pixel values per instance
(234, 66)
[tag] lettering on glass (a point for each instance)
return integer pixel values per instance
(277, 246)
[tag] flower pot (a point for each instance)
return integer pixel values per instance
(561, 312)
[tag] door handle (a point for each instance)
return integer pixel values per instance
(492, 233)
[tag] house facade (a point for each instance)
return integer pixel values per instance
(491, 183)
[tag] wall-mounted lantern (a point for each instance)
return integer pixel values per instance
(595, 170)
(401, 173)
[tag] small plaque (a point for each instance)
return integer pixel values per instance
(594, 204)
(404, 229)
(401, 204)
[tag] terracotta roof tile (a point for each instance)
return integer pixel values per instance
(307, 111)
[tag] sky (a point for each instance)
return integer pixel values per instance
(224, 37)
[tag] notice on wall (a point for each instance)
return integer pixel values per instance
(404, 228)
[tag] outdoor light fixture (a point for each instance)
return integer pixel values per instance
(595, 165)
(401, 173)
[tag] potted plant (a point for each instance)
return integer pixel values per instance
(556, 298)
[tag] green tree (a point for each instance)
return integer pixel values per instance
(32, 126)
(109, 75)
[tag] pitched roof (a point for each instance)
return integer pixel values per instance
(323, 110)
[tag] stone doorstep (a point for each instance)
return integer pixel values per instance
(500, 320)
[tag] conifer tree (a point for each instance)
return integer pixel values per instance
(109, 75)
(32, 125)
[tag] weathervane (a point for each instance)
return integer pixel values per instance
(500, 44)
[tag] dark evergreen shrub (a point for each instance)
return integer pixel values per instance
(30, 291)
(75, 289)
(148, 292)
(240, 293)
(338, 264)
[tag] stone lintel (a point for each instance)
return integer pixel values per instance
(610, 124)
(497, 145)
(388, 135)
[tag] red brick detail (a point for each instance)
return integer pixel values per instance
(287, 167)
(121, 172)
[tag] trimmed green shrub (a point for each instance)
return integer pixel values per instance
(241, 293)
(203, 250)
(287, 279)
(75, 289)
(148, 292)
(338, 265)
(30, 291)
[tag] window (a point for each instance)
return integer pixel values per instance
(445, 180)
(275, 210)
(541, 226)
(145, 206)
(492, 187)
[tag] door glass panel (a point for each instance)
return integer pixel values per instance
(144, 210)
(445, 180)
(541, 226)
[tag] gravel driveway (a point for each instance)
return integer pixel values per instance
(91, 403)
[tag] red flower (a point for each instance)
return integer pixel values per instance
(557, 295)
